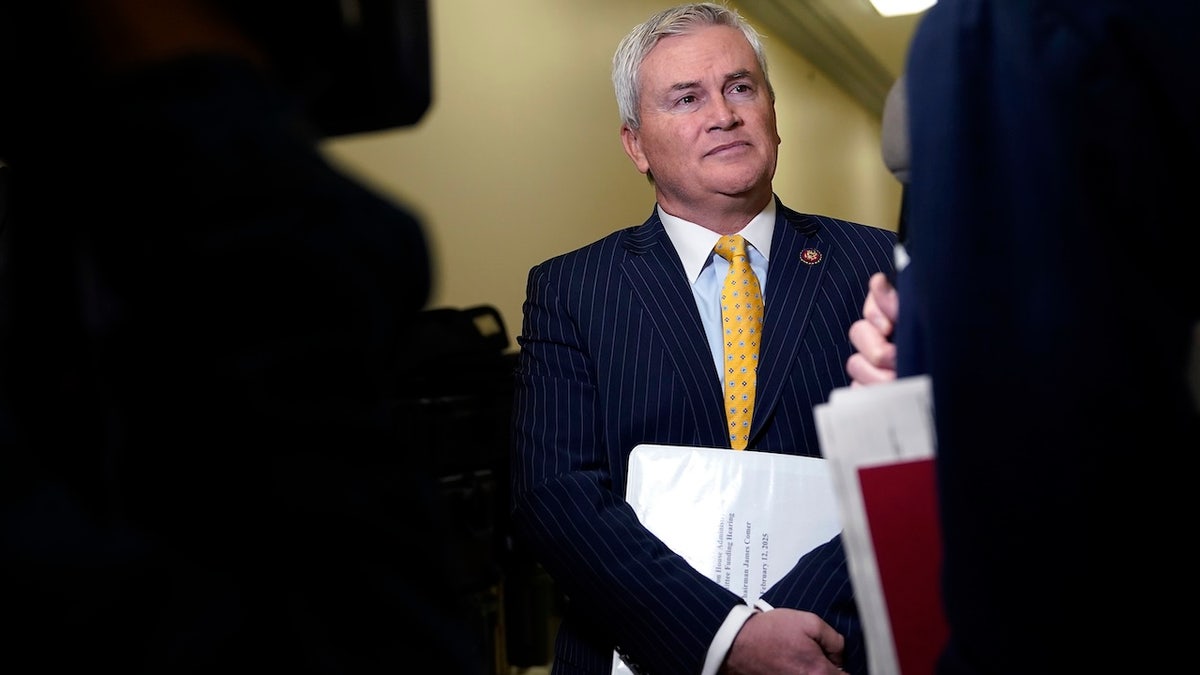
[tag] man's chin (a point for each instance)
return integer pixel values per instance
(745, 187)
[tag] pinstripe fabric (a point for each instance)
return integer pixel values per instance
(612, 355)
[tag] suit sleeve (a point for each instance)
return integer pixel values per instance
(622, 579)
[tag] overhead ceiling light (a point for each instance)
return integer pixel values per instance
(901, 7)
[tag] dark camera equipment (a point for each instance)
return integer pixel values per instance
(363, 65)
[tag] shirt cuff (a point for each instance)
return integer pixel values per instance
(723, 640)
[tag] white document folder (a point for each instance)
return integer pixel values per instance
(742, 517)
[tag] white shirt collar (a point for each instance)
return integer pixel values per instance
(695, 243)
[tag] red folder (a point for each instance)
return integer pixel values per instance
(901, 508)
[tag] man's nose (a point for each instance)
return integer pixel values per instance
(724, 116)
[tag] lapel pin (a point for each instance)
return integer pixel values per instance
(810, 256)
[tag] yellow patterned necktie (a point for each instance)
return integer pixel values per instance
(741, 327)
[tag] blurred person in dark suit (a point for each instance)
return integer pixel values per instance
(621, 345)
(1052, 298)
(202, 325)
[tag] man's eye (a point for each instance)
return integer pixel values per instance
(686, 100)
(740, 88)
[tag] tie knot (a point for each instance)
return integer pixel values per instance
(731, 246)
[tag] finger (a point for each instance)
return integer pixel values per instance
(862, 373)
(874, 313)
(882, 294)
(872, 345)
(831, 642)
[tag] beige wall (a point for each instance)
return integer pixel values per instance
(519, 159)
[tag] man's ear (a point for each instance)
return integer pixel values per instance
(633, 148)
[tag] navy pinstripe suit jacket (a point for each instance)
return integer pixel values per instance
(613, 354)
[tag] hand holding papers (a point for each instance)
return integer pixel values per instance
(879, 441)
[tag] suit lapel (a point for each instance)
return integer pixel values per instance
(660, 285)
(791, 291)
